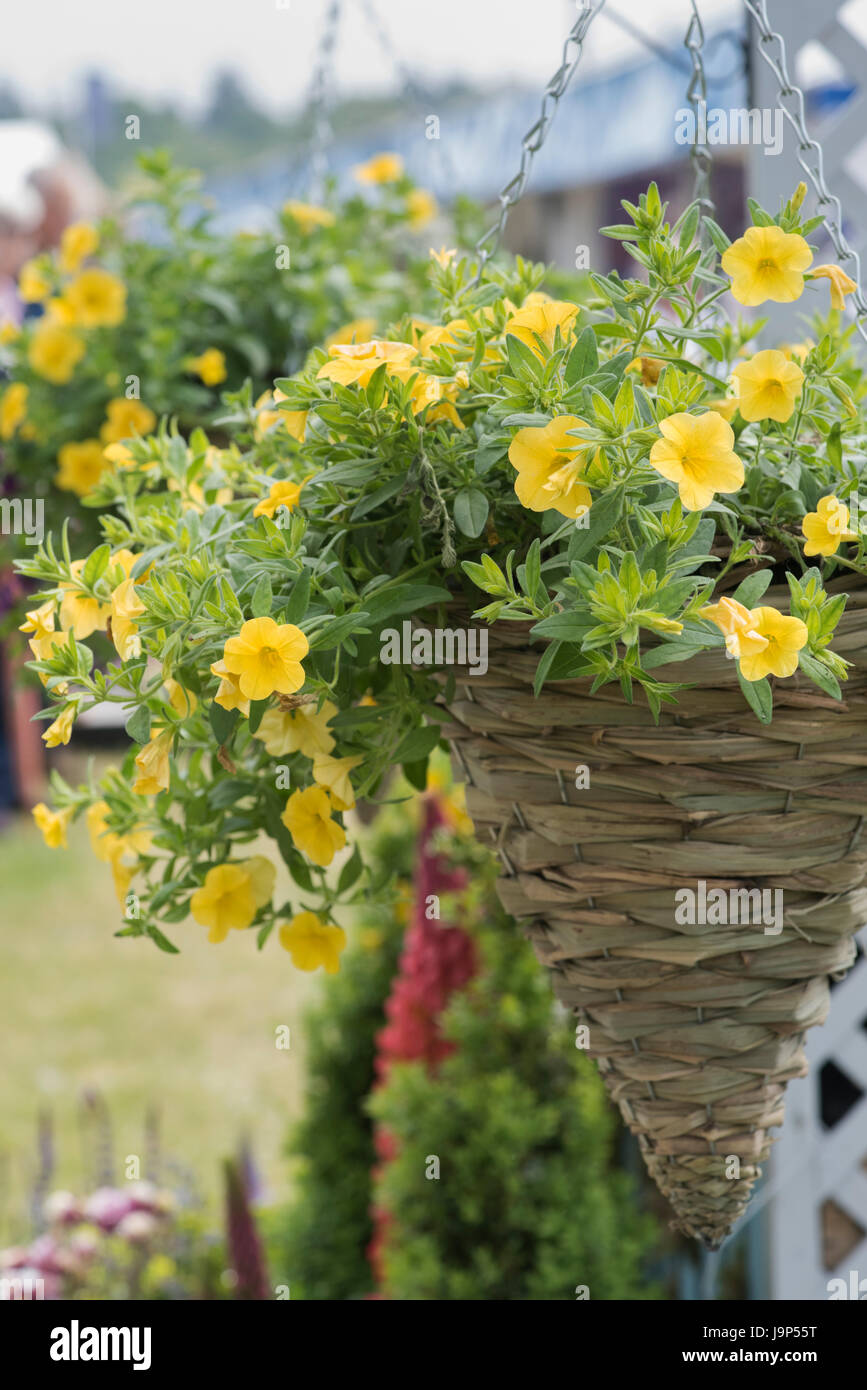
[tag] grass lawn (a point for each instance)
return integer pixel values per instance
(193, 1034)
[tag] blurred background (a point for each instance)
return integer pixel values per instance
(112, 1050)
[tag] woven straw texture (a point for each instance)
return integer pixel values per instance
(696, 1028)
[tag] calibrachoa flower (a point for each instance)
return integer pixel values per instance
(79, 611)
(307, 817)
(126, 606)
(53, 824)
(153, 765)
(826, 527)
(229, 694)
(422, 208)
(696, 453)
(61, 729)
(768, 386)
(355, 363)
(543, 320)
(77, 242)
(125, 418)
(309, 216)
(784, 636)
(33, 284)
(13, 409)
(551, 464)
(225, 902)
(210, 366)
(738, 625)
(333, 775)
(55, 352)
(266, 657)
(767, 263)
(313, 943)
(382, 168)
(302, 730)
(841, 284)
(97, 299)
(356, 331)
(282, 494)
(81, 466)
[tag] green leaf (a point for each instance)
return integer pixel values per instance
(417, 744)
(350, 872)
(96, 565)
(670, 651)
(222, 721)
(522, 360)
(583, 359)
(138, 726)
(335, 632)
(299, 599)
(545, 664)
(751, 589)
(163, 942)
(491, 449)
(820, 675)
(604, 513)
(759, 697)
(382, 494)
(401, 598)
(564, 627)
(471, 511)
(263, 598)
(717, 235)
(257, 710)
(416, 774)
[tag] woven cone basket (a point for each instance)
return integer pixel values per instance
(696, 1028)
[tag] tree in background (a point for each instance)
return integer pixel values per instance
(502, 1185)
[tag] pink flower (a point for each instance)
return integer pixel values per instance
(106, 1207)
(138, 1227)
(62, 1209)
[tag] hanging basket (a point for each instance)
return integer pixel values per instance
(696, 1027)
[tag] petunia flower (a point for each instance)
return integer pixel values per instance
(550, 464)
(767, 263)
(696, 453)
(768, 386)
(313, 943)
(266, 657)
(307, 817)
(826, 527)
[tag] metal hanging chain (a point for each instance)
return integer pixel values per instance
(319, 101)
(696, 95)
(809, 153)
(535, 137)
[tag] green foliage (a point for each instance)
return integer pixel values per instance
(528, 1204)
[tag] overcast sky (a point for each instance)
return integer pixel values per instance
(171, 48)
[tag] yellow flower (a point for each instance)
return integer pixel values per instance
(422, 207)
(45, 649)
(81, 466)
(841, 283)
(307, 817)
(283, 494)
(542, 321)
(293, 421)
(78, 241)
(59, 310)
(696, 453)
(382, 168)
(33, 284)
(649, 367)
(784, 637)
(119, 456)
(210, 366)
(125, 418)
(726, 406)
(550, 466)
(312, 943)
(737, 625)
(229, 694)
(356, 331)
(53, 824)
(79, 611)
(182, 701)
(767, 263)
(9, 331)
(266, 656)
(445, 411)
(60, 730)
(97, 299)
(826, 527)
(302, 730)
(308, 215)
(40, 621)
(225, 902)
(443, 257)
(333, 775)
(126, 606)
(103, 841)
(55, 352)
(768, 386)
(356, 362)
(13, 408)
(263, 876)
(152, 762)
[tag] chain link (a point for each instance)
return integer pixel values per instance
(696, 95)
(320, 96)
(534, 139)
(809, 152)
